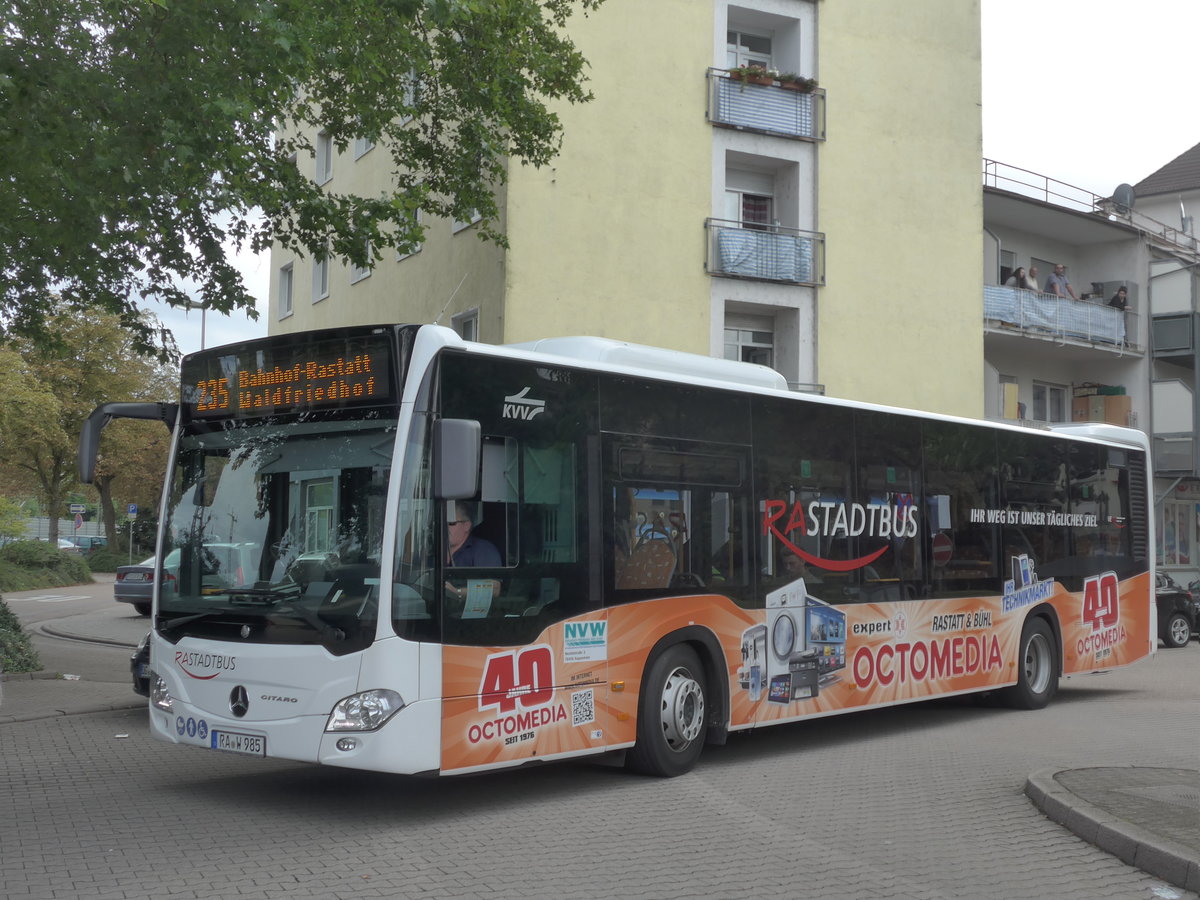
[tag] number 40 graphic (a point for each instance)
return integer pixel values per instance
(1101, 604)
(527, 677)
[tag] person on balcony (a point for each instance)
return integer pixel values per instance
(1019, 279)
(1120, 300)
(1058, 285)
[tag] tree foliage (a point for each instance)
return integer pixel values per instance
(144, 137)
(49, 390)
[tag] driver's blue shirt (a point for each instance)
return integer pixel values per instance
(477, 552)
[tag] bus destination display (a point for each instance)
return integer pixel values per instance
(289, 377)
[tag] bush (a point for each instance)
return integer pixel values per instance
(107, 560)
(16, 650)
(28, 565)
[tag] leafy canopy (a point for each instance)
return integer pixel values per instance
(142, 138)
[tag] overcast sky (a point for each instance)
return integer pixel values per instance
(1089, 92)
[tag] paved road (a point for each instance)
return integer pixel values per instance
(87, 609)
(915, 802)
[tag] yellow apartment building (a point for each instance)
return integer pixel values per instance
(830, 232)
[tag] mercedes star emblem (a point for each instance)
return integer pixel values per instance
(239, 702)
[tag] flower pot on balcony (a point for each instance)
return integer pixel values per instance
(752, 75)
(797, 83)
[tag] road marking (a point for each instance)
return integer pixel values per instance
(47, 598)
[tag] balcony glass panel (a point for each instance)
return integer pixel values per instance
(1174, 453)
(1045, 314)
(769, 109)
(771, 254)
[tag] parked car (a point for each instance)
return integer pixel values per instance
(1177, 612)
(139, 667)
(135, 584)
(89, 542)
(68, 546)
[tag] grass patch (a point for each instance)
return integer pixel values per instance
(29, 565)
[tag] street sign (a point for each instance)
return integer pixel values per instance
(133, 509)
(77, 508)
(943, 549)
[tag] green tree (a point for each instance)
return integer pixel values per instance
(49, 390)
(12, 519)
(143, 137)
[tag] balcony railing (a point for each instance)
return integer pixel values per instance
(764, 253)
(1174, 454)
(765, 109)
(1045, 315)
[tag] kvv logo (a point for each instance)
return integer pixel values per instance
(525, 677)
(521, 406)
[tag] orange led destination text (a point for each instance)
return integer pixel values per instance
(307, 383)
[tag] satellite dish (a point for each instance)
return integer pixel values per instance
(1124, 198)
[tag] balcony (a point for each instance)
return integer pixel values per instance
(765, 109)
(1045, 316)
(764, 253)
(1173, 408)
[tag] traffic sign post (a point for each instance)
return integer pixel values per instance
(132, 510)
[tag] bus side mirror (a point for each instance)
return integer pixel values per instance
(457, 447)
(89, 435)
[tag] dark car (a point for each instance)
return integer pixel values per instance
(135, 584)
(89, 542)
(139, 667)
(1176, 612)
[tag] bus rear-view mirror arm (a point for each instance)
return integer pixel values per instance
(457, 447)
(89, 436)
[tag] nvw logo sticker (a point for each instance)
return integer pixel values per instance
(585, 641)
(510, 680)
(521, 406)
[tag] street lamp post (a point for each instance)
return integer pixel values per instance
(203, 307)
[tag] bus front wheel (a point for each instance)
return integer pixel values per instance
(1037, 667)
(671, 714)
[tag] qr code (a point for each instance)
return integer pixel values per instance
(583, 707)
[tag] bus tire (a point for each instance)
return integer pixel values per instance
(671, 714)
(1037, 667)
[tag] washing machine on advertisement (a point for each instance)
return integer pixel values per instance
(785, 637)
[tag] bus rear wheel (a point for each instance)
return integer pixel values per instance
(1037, 668)
(671, 714)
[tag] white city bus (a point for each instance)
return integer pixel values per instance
(390, 549)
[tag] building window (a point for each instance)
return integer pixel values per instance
(285, 291)
(1049, 403)
(362, 146)
(404, 254)
(752, 210)
(750, 339)
(358, 273)
(743, 49)
(467, 325)
(320, 279)
(1175, 532)
(459, 226)
(324, 154)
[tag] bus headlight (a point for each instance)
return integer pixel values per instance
(160, 697)
(364, 712)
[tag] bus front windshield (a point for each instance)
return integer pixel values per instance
(274, 533)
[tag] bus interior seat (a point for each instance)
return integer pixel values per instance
(650, 565)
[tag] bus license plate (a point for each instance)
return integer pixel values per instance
(235, 742)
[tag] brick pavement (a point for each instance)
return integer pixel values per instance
(915, 802)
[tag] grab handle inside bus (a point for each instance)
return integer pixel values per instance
(457, 447)
(89, 436)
